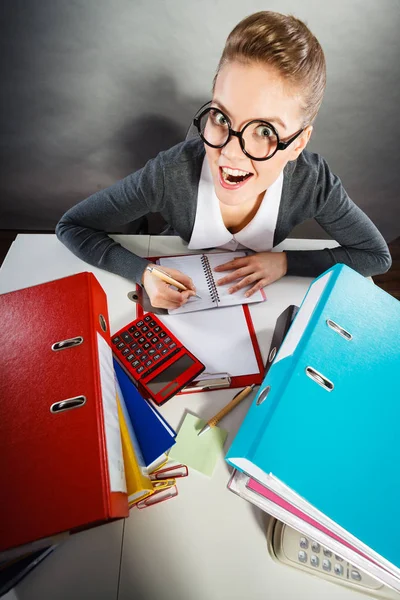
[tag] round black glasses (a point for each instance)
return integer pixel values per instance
(258, 139)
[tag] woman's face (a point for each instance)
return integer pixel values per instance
(244, 93)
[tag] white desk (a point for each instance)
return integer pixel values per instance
(205, 544)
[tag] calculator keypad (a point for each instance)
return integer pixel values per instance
(309, 553)
(145, 344)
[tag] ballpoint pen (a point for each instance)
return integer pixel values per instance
(168, 279)
(234, 402)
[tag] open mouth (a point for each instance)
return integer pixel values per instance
(233, 177)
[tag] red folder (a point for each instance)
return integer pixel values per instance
(61, 466)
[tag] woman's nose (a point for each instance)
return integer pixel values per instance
(233, 150)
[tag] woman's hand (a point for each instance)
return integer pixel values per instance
(259, 269)
(161, 294)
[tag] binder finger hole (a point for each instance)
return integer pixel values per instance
(340, 330)
(263, 395)
(68, 404)
(103, 323)
(272, 354)
(320, 379)
(64, 344)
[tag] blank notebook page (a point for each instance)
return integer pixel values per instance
(220, 339)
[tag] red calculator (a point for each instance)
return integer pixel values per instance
(156, 361)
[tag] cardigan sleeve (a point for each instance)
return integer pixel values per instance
(83, 227)
(362, 247)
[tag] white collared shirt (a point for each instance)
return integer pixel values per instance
(209, 230)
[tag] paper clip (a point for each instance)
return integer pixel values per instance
(158, 497)
(162, 484)
(174, 471)
(158, 467)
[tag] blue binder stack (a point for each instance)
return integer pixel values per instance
(323, 430)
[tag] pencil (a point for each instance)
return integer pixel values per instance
(234, 402)
(168, 279)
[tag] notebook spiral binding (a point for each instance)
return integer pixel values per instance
(212, 288)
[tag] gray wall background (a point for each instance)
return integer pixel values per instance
(91, 89)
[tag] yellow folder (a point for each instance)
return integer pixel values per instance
(138, 482)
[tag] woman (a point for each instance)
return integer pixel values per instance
(247, 181)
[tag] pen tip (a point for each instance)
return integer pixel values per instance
(205, 428)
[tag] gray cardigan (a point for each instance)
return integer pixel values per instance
(168, 184)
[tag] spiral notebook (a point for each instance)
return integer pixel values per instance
(200, 268)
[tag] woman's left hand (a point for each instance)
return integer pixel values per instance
(259, 269)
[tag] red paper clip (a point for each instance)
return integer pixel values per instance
(174, 471)
(158, 497)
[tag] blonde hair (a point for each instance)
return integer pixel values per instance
(285, 44)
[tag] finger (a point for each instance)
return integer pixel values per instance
(245, 282)
(238, 274)
(181, 277)
(166, 295)
(233, 264)
(257, 287)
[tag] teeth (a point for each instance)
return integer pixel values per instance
(234, 172)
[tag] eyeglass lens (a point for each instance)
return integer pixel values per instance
(259, 139)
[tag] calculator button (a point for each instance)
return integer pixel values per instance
(132, 329)
(147, 318)
(135, 364)
(154, 340)
(137, 334)
(138, 351)
(151, 351)
(314, 560)
(338, 569)
(167, 340)
(146, 345)
(149, 362)
(134, 345)
(355, 575)
(162, 334)
(125, 351)
(126, 336)
(303, 542)
(130, 357)
(140, 369)
(302, 556)
(157, 328)
(152, 323)
(141, 340)
(164, 351)
(120, 345)
(315, 547)
(156, 356)
(116, 339)
(139, 323)
(327, 552)
(326, 564)
(159, 346)
(144, 328)
(172, 345)
(144, 357)
(149, 334)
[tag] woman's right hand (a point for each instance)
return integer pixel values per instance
(161, 294)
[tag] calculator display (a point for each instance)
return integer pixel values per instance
(170, 374)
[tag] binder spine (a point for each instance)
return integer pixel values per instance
(212, 288)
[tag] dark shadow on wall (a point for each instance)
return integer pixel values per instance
(74, 120)
(150, 134)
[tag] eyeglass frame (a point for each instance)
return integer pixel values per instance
(239, 134)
